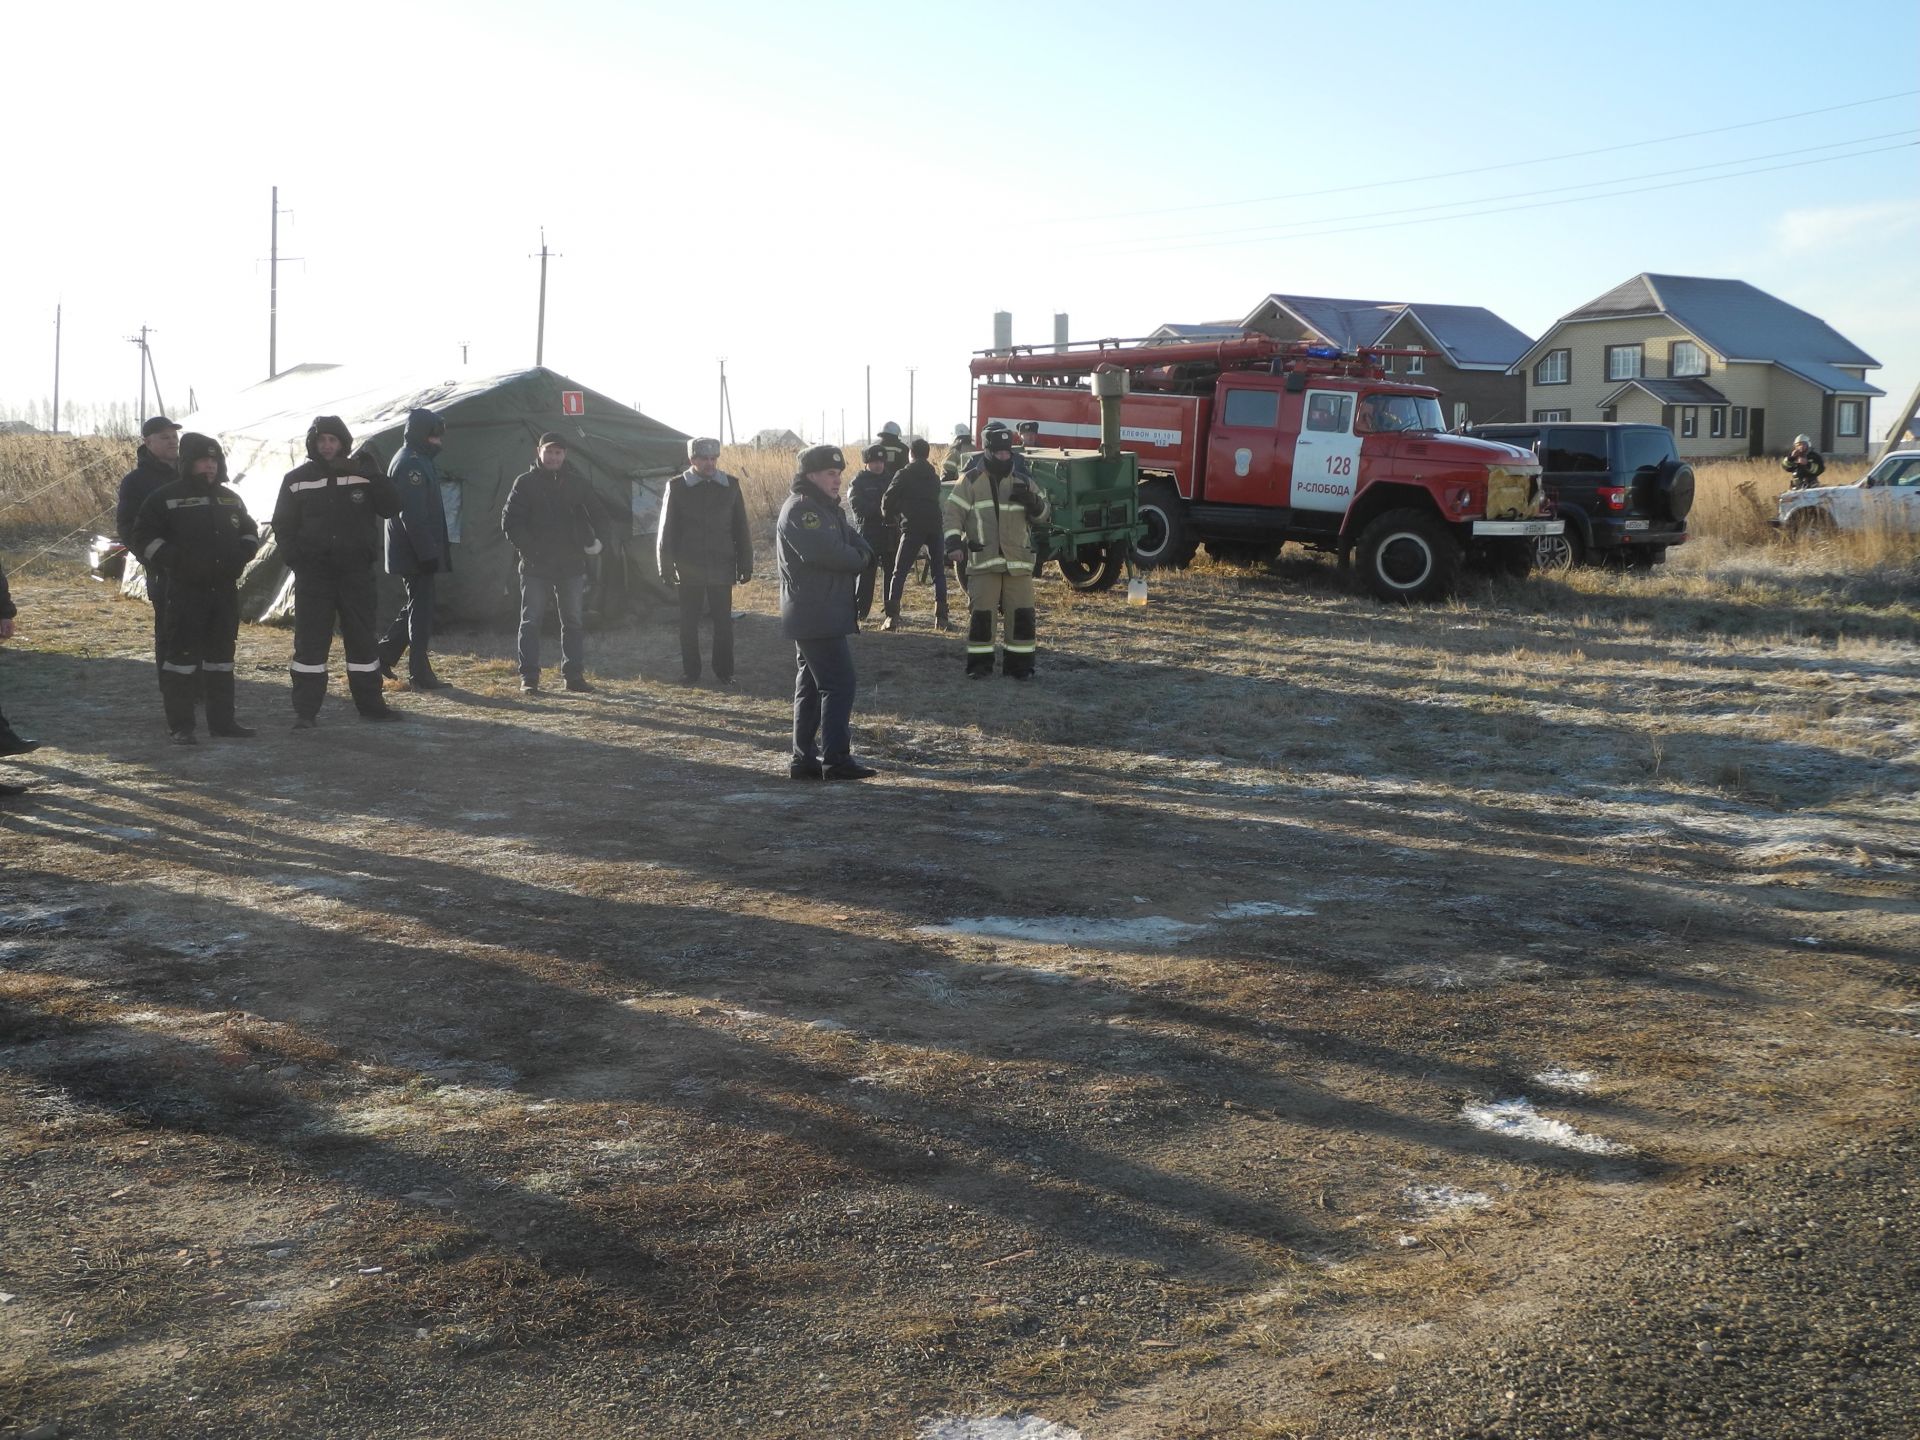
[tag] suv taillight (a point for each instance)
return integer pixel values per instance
(1614, 497)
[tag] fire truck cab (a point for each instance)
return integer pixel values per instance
(1247, 444)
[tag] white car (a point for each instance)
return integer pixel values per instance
(1886, 497)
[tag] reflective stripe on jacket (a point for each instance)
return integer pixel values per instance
(994, 528)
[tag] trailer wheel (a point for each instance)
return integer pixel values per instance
(1409, 555)
(1169, 542)
(1094, 567)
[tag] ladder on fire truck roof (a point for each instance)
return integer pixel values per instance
(1242, 352)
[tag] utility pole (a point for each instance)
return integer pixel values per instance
(869, 430)
(724, 426)
(146, 365)
(273, 290)
(540, 335)
(910, 374)
(56, 369)
(463, 351)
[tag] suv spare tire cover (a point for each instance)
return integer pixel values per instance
(1676, 489)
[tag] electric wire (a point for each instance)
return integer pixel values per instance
(1508, 209)
(1484, 169)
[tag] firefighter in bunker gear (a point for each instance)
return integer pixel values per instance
(990, 515)
(198, 533)
(326, 526)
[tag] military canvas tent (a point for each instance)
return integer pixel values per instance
(492, 424)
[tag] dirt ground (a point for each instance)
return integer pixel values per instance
(1278, 1007)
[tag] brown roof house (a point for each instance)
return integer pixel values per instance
(1730, 369)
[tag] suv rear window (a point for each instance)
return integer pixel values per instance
(1645, 449)
(1581, 451)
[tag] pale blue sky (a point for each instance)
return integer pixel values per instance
(807, 189)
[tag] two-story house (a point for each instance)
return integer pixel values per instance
(1730, 369)
(1472, 348)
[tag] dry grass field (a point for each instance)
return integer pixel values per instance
(1270, 1023)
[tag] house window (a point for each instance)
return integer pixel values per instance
(1717, 422)
(1416, 364)
(1540, 416)
(1689, 422)
(1687, 359)
(1459, 414)
(1624, 361)
(1847, 417)
(1739, 422)
(1553, 368)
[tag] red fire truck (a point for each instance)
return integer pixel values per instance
(1250, 442)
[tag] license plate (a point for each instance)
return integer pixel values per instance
(1639, 524)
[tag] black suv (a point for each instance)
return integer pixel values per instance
(1623, 489)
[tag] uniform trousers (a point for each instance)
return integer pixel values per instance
(912, 544)
(714, 600)
(535, 592)
(994, 592)
(823, 688)
(411, 633)
(203, 626)
(883, 540)
(321, 595)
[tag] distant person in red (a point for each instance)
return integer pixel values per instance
(11, 742)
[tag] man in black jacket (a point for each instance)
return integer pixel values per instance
(912, 504)
(418, 548)
(198, 534)
(819, 554)
(864, 493)
(11, 742)
(548, 519)
(159, 448)
(326, 526)
(704, 545)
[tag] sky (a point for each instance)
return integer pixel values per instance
(808, 190)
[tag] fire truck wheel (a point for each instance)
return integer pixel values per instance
(1408, 555)
(1169, 542)
(1096, 567)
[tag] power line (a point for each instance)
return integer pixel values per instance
(1482, 169)
(1509, 209)
(1282, 225)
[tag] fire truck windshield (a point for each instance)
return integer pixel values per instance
(1379, 414)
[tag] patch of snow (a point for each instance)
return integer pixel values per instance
(319, 884)
(1254, 909)
(1518, 1120)
(993, 1427)
(1573, 1082)
(41, 917)
(1070, 929)
(1439, 1199)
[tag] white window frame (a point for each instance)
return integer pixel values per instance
(1460, 413)
(1717, 423)
(1673, 361)
(1639, 354)
(1416, 364)
(1552, 417)
(1841, 427)
(1564, 369)
(1737, 425)
(1689, 422)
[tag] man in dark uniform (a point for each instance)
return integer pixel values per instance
(200, 536)
(990, 515)
(863, 498)
(820, 553)
(417, 549)
(704, 546)
(326, 526)
(11, 742)
(159, 448)
(549, 520)
(912, 505)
